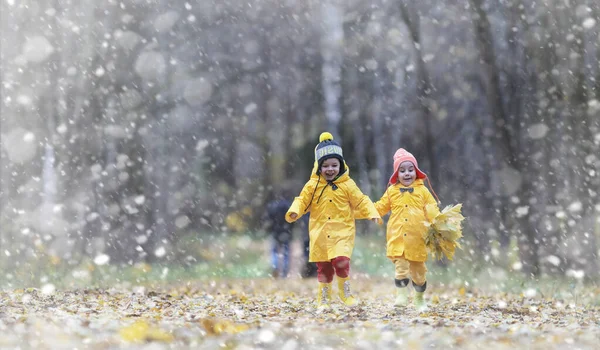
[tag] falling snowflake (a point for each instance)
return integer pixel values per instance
(101, 259)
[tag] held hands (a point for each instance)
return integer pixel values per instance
(293, 216)
(375, 220)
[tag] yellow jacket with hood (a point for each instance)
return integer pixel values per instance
(333, 208)
(406, 225)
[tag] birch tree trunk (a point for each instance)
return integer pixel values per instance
(332, 42)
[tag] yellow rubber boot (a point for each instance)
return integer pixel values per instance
(324, 296)
(344, 291)
(420, 304)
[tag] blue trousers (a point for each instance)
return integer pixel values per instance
(280, 257)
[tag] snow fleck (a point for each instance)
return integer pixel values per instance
(201, 145)
(101, 259)
(81, 274)
(139, 200)
(18, 144)
(160, 252)
(62, 128)
(182, 221)
(410, 68)
(50, 12)
(24, 100)
(99, 71)
(577, 274)
(191, 18)
(502, 304)
(48, 289)
(371, 64)
(530, 293)
(589, 23)
(141, 239)
(71, 71)
(166, 21)
(150, 65)
(7, 253)
(266, 336)
(29, 137)
(561, 214)
(115, 131)
(198, 91)
(127, 39)
(10, 2)
(537, 131)
(522, 211)
(517, 266)
(92, 216)
(244, 242)
(575, 207)
(188, 6)
(251, 107)
(37, 49)
(553, 259)
(428, 57)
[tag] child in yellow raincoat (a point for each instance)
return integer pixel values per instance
(334, 201)
(411, 205)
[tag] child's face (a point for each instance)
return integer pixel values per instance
(407, 173)
(330, 168)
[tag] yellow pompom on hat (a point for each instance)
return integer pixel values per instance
(325, 136)
(328, 148)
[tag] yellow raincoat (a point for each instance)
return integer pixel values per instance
(332, 213)
(406, 225)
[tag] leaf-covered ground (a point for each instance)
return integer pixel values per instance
(279, 314)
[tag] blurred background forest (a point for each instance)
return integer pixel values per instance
(133, 130)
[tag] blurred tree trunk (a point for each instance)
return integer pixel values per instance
(354, 117)
(332, 42)
(506, 137)
(582, 124)
(378, 135)
(424, 88)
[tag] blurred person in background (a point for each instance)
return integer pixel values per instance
(281, 235)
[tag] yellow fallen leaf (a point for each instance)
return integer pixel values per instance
(435, 299)
(462, 291)
(141, 331)
(216, 327)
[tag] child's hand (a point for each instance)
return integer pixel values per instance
(293, 216)
(375, 220)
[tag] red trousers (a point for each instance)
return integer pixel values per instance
(339, 265)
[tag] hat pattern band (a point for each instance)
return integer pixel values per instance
(328, 150)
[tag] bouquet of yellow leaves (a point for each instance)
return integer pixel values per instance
(441, 239)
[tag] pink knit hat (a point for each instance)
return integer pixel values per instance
(401, 156)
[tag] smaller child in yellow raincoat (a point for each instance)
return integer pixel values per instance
(411, 205)
(334, 201)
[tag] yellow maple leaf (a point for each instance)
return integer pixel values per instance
(141, 331)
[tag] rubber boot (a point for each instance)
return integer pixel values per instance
(324, 296)
(419, 302)
(401, 292)
(344, 291)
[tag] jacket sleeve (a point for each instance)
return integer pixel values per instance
(383, 205)
(431, 208)
(361, 204)
(302, 202)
